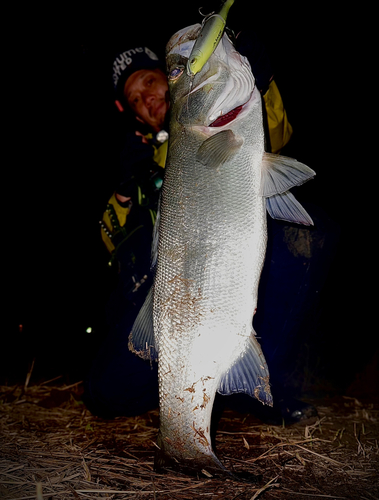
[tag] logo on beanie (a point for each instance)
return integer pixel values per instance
(126, 60)
(151, 54)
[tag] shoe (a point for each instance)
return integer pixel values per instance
(287, 411)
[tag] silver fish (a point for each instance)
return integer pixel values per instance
(211, 242)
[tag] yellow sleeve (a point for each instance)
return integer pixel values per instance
(160, 154)
(280, 129)
(114, 218)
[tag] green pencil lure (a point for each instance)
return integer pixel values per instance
(208, 39)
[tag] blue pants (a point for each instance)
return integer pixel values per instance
(296, 266)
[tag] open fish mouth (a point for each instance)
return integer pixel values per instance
(227, 118)
(224, 119)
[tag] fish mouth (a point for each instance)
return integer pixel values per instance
(227, 118)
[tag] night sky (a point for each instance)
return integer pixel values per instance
(63, 135)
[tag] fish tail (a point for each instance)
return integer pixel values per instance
(199, 464)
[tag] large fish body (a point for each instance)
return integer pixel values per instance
(212, 239)
(210, 248)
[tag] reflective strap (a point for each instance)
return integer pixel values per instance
(114, 254)
(114, 218)
(153, 215)
(139, 195)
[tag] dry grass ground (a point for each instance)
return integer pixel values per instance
(52, 448)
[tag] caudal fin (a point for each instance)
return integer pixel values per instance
(193, 463)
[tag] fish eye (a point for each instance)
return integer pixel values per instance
(175, 73)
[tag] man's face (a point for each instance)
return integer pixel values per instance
(147, 94)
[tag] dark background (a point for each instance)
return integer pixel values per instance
(63, 135)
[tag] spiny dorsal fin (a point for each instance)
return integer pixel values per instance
(218, 148)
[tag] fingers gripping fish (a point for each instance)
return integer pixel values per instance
(211, 243)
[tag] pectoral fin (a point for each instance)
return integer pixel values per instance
(249, 374)
(218, 148)
(141, 339)
(279, 174)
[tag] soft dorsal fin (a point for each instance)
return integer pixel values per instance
(218, 148)
(249, 374)
(280, 173)
(141, 339)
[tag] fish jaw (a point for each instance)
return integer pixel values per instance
(227, 75)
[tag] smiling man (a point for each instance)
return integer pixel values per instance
(141, 94)
(146, 92)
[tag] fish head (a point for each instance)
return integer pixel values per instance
(217, 94)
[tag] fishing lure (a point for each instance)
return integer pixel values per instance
(208, 39)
